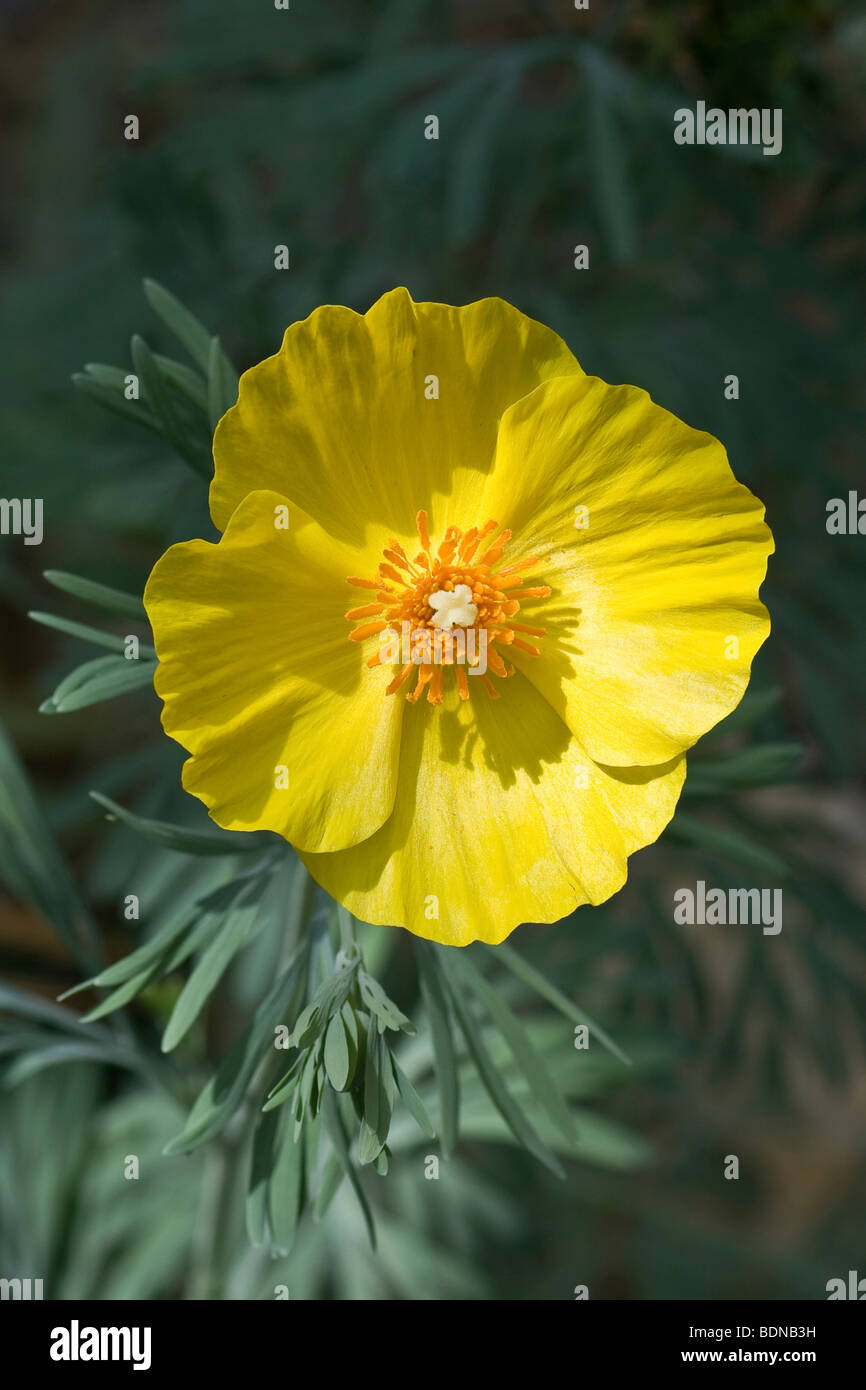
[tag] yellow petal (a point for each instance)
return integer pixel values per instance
(257, 675)
(343, 420)
(499, 819)
(654, 617)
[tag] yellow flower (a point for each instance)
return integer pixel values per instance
(392, 450)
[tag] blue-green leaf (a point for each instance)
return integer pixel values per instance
(180, 321)
(225, 1090)
(497, 1090)
(104, 678)
(447, 1076)
(528, 1059)
(101, 595)
(89, 634)
(179, 838)
(526, 972)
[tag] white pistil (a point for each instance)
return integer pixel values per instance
(453, 607)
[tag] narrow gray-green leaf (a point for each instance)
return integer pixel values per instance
(285, 1189)
(159, 398)
(112, 377)
(180, 321)
(178, 837)
(411, 1099)
(131, 987)
(225, 1090)
(101, 595)
(138, 960)
(497, 1090)
(62, 1053)
(133, 412)
(334, 1125)
(239, 926)
(528, 1059)
(89, 634)
(23, 1005)
(262, 1162)
(184, 378)
(526, 972)
(374, 1099)
(32, 868)
(332, 1178)
(447, 1075)
(106, 678)
(221, 394)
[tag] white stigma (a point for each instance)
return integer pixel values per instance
(453, 607)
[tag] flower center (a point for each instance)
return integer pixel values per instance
(451, 608)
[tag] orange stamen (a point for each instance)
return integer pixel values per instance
(365, 611)
(363, 583)
(398, 680)
(424, 675)
(434, 694)
(518, 565)
(366, 630)
(496, 549)
(468, 543)
(401, 561)
(411, 601)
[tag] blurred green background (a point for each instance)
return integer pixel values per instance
(261, 127)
